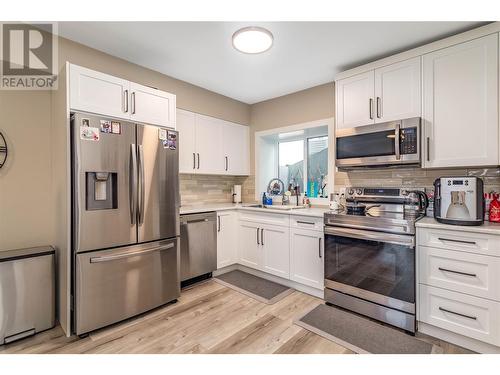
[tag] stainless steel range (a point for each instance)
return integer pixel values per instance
(370, 253)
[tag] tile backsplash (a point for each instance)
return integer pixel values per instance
(203, 189)
(413, 177)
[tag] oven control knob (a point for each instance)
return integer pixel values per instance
(359, 191)
(404, 192)
(350, 191)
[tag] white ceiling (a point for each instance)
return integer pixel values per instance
(304, 54)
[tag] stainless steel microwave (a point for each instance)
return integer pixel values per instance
(390, 143)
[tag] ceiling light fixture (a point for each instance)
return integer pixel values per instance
(252, 40)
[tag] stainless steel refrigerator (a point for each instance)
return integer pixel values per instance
(125, 219)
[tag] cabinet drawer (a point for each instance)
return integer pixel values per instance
(306, 222)
(478, 275)
(474, 317)
(461, 241)
(265, 218)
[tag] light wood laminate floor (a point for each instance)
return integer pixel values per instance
(208, 318)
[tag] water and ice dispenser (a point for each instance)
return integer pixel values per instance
(102, 192)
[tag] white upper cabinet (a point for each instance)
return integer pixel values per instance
(104, 94)
(355, 101)
(151, 106)
(236, 149)
(186, 126)
(96, 92)
(397, 91)
(460, 104)
(208, 145)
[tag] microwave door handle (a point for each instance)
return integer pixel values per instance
(397, 141)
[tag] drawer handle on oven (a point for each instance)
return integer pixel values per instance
(458, 272)
(127, 255)
(459, 314)
(459, 241)
(304, 222)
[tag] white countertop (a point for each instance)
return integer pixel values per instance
(193, 209)
(487, 227)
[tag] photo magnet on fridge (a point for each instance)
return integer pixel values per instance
(89, 134)
(116, 127)
(85, 122)
(172, 140)
(105, 126)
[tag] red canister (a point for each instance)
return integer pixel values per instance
(495, 210)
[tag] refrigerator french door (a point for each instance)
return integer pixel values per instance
(125, 226)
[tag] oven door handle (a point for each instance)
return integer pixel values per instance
(397, 239)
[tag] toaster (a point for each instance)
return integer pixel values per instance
(459, 200)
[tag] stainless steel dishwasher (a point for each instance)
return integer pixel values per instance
(198, 245)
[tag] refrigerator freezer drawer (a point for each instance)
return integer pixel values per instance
(113, 285)
(27, 292)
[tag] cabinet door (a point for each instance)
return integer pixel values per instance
(152, 106)
(99, 93)
(460, 104)
(250, 251)
(209, 145)
(355, 102)
(186, 126)
(397, 91)
(276, 250)
(227, 239)
(306, 257)
(236, 149)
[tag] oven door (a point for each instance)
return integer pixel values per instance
(374, 266)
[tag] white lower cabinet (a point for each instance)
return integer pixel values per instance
(227, 238)
(458, 290)
(250, 252)
(307, 257)
(275, 244)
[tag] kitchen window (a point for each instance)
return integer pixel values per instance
(304, 162)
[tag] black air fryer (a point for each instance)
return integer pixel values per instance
(459, 200)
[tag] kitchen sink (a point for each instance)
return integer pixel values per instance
(275, 207)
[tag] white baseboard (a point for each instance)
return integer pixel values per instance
(454, 338)
(289, 283)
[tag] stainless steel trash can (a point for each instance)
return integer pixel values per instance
(27, 292)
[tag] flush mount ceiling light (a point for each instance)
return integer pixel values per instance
(252, 40)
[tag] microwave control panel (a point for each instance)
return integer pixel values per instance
(408, 142)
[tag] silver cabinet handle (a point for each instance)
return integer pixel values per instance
(142, 184)
(304, 222)
(370, 108)
(262, 237)
(125, 101)
(133, 103)
(198, 160)
(194, 160)
(193, 221)
(459, 314)
(319, 247)
(258, 241)
(379, 109)
(128, 255)
(458, 241)
(133, 183)
(218, 223)
(397, 140)
(428, 140)
(457, 272)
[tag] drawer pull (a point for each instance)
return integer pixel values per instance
(459, 241)
(458, 272)
(459, 314)
(304, 222)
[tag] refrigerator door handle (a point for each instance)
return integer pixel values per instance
(133, 184)
(128, 255)
(142, 191)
